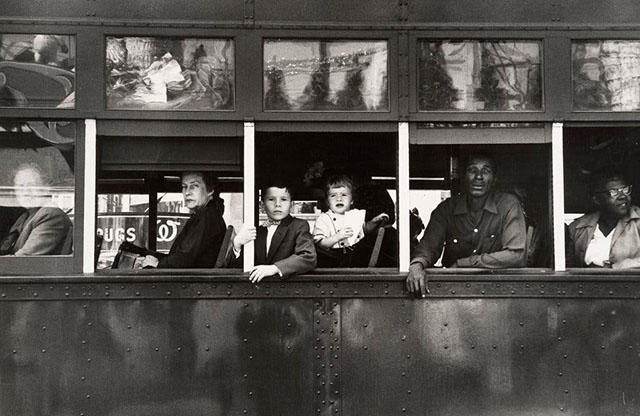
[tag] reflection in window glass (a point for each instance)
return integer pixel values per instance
(303, 75)
(121, 217)
(479, 75)
(601, 209)
(124, 217)
(440, 180)
(36, 188)
(151, 73)
(37, 70)
(606, 75)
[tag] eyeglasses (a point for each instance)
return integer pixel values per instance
(614, 193)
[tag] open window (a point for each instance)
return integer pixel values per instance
(140, 200)
(522, 166)
(601, 167)
(308, 160)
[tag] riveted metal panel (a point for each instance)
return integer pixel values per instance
(203, 10)
(499, 11)
(327, 358)
(490, 357)
(336, 11)
(158, 357)
(473, 347)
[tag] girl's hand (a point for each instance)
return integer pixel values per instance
(344, 233)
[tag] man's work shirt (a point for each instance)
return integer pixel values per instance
(496, 240)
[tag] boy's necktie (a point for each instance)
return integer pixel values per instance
(270, 222)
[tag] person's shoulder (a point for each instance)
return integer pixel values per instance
(449, 203)
(51, 212)
(505, 198)
(634, 212)
(298, 223)
(586, 220)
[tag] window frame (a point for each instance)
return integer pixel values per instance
(61, 264)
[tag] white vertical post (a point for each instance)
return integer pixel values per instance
(90, 165)
(249, 157)
(403, 195)
(557, 178)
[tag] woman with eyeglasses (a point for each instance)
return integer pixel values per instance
(610, 236)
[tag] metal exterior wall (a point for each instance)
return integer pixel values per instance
(489, 346)
(591, 12)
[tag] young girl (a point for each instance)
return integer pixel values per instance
(339, 229)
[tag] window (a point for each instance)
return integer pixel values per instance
(37, 188)
(140, 200)
(156, 73)
(469, 75)
(37, 70)
(599, 159)
(365, 163)
(314, 75)
(605, 75)
(439, 159)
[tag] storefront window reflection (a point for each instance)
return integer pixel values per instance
(606, 75)
(37, 70)
(479, 75)
(302, 75)
(149, 73)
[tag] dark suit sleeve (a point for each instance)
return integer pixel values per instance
(570, 246)
(303, 258)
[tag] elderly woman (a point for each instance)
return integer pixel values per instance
(199, 242)
(43, 229)
(610, 236)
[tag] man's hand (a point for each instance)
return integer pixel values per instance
(245, 234)
(417, 280)
(150, 261)
(375, 222)
(262, 271)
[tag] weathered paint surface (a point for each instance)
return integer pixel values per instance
(476, 347)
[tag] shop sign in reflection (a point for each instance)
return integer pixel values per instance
(117, 228)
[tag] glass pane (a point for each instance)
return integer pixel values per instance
(121, 217)
(479, 75)
(606, 75)
(36, 188)
(150, 73)
(497, 218)
(308, 75)
(37, 70)
(601, 213)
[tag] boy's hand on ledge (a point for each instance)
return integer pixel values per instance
(245, 234)
(262, 271)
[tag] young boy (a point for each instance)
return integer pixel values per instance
(339, 229)
(283, 244)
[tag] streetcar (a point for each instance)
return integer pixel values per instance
(109, 102)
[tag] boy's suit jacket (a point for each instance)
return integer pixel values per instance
(292, 249)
